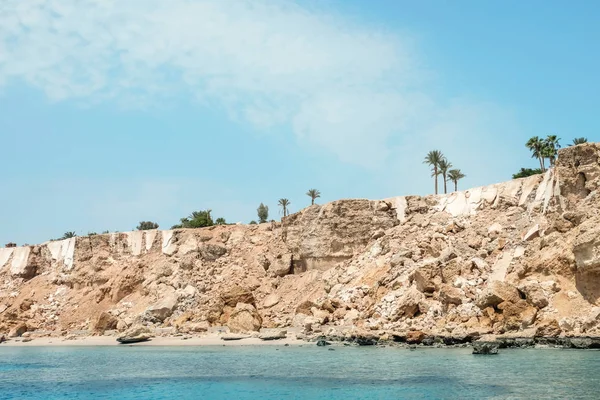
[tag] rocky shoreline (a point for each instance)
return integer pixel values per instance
(579, 343)
(517, 262)
(582, 342)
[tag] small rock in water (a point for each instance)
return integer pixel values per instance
(485, 348)
(330, 349)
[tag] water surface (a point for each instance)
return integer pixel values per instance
(308, 372)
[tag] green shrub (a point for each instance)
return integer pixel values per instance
(146, 225)
(525, 172)
(263, 213)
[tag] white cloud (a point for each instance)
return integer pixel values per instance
(341, 86)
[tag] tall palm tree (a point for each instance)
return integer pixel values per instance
(284, 203)
(551, 148)
(433, 158)
(536, 145)
(313, 194)
(444, 167)
(455, 175)
(580, 140)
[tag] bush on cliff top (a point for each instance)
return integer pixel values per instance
(146, 225)
(198, 219)
(525, 172)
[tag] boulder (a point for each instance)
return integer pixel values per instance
(270, 301)
(282, 265)
(104, 322)
(407, 305)
(163, 309)
(364, 338)
(517, 315)
(122, 325)
(136, 334)
(322, 342)
(197, 327)
(321, 315)
(534, 293)
(532, 233)
(305, 308)
(480, 264)
(581, 343)
(244, 318)
(495, 293)
(350, 316)
(487, 348)
(451, 295)
(237, 294)
(548, 328)
(427, 277)
(18, 330)
(211, 252)
(272, 334)
(138, 330)
(586, 250)
(311, 324)
(415, 337)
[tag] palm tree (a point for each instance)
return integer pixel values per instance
(69, 235)
(536, 145)
(444, 167)
(313, 194)
(551, 148)
(433, 158)
(455, 175)
(284, 203)
(580, 140)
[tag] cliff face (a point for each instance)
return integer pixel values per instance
(519, 257)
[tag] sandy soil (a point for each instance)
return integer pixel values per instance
(211, 340)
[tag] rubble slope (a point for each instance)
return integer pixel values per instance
(520, 257)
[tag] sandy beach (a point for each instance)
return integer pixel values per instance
(209, 340)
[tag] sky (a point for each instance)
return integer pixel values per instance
(117, 111)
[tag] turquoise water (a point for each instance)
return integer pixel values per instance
(308, 372)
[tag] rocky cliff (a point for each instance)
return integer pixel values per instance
(521, 257)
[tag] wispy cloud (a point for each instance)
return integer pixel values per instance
(341, 86)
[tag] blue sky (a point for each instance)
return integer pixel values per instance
(112, 112)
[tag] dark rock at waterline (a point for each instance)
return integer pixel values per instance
(366, 340)
(457, 340)
(581, 343)
(560, 342)
(322, 342)
(485, 348)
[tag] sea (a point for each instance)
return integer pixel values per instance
(307, 372)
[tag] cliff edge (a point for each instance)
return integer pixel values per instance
(520, 257)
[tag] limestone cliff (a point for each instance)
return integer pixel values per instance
(519, 257)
